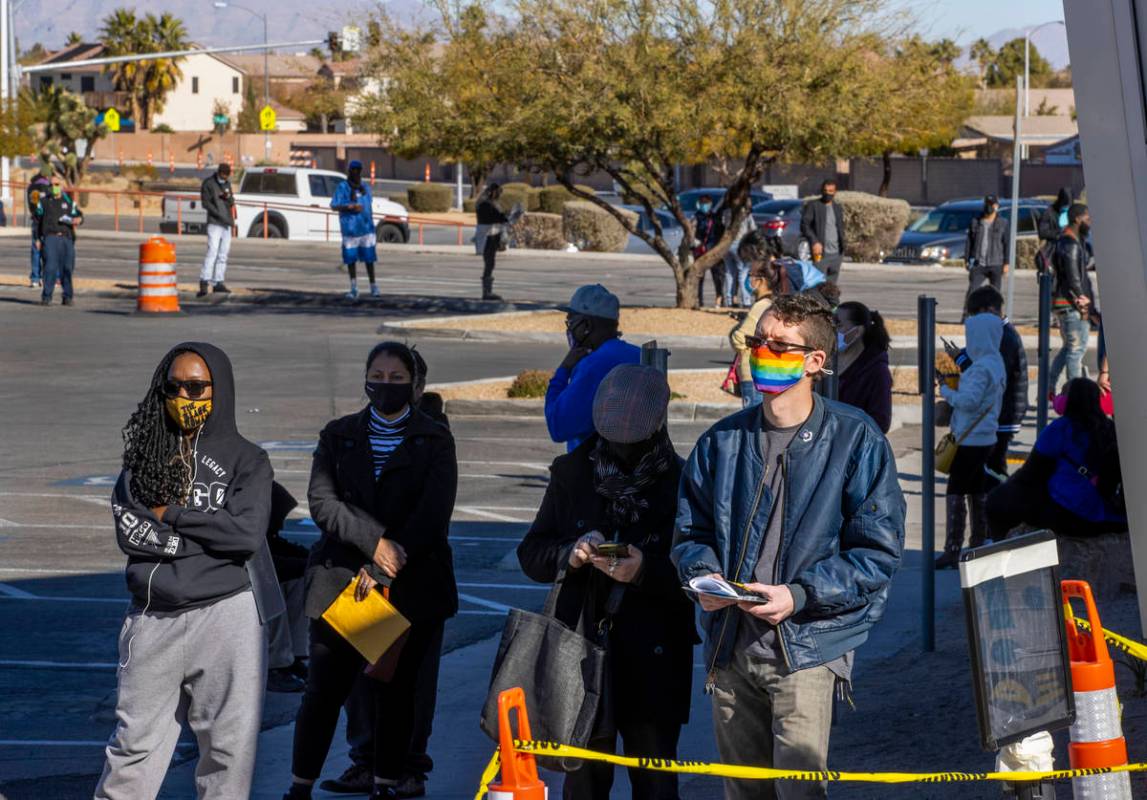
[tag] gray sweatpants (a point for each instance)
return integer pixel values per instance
(766, 716)
(203, 666)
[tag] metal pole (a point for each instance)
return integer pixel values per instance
(1027, 72)
(266, 87)
(458, 186)
(5, 94)
(1043, 352)
(926, 366)
(1015, 215)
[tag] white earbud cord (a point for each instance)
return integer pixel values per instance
(147, 605)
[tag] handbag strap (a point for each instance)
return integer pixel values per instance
(972, 427)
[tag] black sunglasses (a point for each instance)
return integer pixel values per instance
(194, 389)
(776, 345)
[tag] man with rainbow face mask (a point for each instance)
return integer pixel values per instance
(798, 501)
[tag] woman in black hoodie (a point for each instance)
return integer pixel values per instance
(383, 483)
(862, 344)
(191, 508)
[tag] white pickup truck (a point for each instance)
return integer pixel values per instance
(295, 202)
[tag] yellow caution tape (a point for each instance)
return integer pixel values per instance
(1121, 643)
(489, 774)
(555, 750)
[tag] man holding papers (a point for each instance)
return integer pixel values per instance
(798, 501)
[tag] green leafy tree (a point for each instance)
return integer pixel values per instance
(74, 38)
(33, 55)
(248, 121)
(931, 100)
(220, 109)
(65, 121)
(1008, 63)
(320, 101)
(983, 55)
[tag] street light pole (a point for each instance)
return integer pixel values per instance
(266, 65)
(5, 96)
(1027, 69)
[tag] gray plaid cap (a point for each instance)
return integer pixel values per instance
(631, 404)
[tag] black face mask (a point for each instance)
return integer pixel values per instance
(1084, 229)
(631, 454)
(389, 398)
(827, 198)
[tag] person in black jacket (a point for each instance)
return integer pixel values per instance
(620, 486)
(191, 509)
(1072, 296)
(56, 218)
(986, 250)
(822, 226)
(219, 203)
(488, 235)
(382, 491)
(706, 233)
(987, 300)
(862, 343)
(1052, 222)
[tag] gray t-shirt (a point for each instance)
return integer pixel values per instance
(758, 636)
(831, 235)
(983, 230)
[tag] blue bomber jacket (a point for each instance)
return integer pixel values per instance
(842, 531)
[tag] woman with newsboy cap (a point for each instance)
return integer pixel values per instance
(618, 491)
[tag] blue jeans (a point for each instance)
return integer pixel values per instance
(749, 394)
(1075, 329)
(37, 261)
(736, 273)
(59, 264)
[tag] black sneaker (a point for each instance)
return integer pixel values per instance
(384, 793)
(204, 288)
(298, 791)
(410, 786)
(357, 779)
(299, 669)
(221, 288)
(67, 301)
(45, 301)
(281, 680)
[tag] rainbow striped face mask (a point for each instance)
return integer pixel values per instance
(775, 372)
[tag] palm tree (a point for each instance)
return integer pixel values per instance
(121, 35)
(983, 55)
(73, 38)
(163, 33)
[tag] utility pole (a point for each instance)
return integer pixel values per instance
(6, 96)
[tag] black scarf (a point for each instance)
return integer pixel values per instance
(613, 481)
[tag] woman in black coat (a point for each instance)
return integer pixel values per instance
(382, 491)
(862, 344)
(621, 486)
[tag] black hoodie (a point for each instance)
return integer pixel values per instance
(216, 546)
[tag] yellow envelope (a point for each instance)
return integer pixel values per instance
(371, 626)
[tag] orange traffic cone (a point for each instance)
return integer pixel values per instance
(1096, 735)
(519, 771)
(158, 287)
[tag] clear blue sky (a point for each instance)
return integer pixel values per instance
(965, 20)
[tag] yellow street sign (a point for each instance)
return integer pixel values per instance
(267, 119)
(111, 119)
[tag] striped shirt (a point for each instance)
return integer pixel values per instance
(385, 436)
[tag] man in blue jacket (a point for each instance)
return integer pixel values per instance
(595, 348)
(797, 499)
(354, 203)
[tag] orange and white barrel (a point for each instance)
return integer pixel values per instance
(1096, 735)
(158, 283)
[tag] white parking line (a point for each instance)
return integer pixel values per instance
(481, 512)
(60, 664)
(479, 601)
(12, 591)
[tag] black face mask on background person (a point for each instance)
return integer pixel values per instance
(631, 454)
(1084, 229)
(389, 398)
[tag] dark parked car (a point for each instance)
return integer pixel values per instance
(688, 199)
(941, 234)
(671, 231)
(782, 219)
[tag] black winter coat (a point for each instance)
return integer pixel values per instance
(410, 503)
(218, 201)
(813, 216)
(867, 385)
(997, 233)
(651, 643)
(1070, 266)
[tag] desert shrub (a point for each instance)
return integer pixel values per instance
(554, 198)
(1026, 247)
(534, 198)
(530, 384)
(539, 231)
(872, 224)
(514, 196)
(470, 205)
(430, 198)
(591, 227)
(400, 198)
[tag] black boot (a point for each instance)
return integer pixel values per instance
(204, 288)
(957, 519)
(488, 290)
(298, 791)
(979, 519)
(221, 288)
